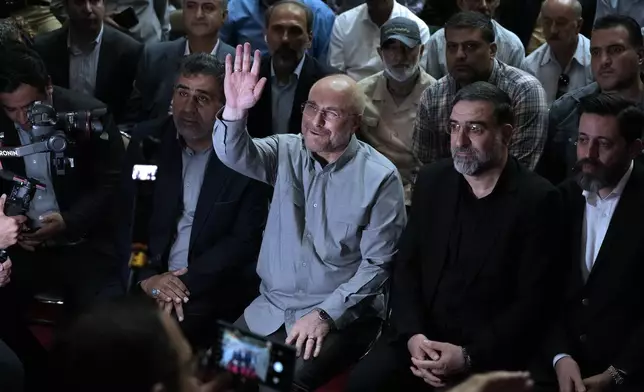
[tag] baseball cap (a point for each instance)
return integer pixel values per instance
(401, 29)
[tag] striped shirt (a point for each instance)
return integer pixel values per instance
(431, 141)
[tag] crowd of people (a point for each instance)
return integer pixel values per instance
(420, 203)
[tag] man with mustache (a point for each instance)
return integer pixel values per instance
(393, 96)
(597, 342)
(337, 212)
(561, 64)
(290, 71)
(476, 264)
(203, 222)
(510, 50)
(471, 57)
(616, 55)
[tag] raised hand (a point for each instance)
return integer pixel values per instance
(242, 85)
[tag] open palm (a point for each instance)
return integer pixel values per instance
(242, 85)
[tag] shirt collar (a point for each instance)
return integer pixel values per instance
(75, 50)
(186, 52)
(297, 71)
(580, 54)
(347, 155)
(617, 191)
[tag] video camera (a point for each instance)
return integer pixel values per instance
(50, 131)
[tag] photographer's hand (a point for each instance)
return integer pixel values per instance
(9, 227)
(53, 225)
(5, 273)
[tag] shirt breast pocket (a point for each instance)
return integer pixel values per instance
(345, 231)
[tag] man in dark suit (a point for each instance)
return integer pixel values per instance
(289, 71)
(65, 247)
(206, 219)
(159, 66)
(91, 57)
(475, 270)
(597, 343)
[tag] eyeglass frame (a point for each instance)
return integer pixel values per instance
(468, 131)
(325, 112)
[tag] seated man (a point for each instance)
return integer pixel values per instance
(65, 246)
(561, 64)
(393, 96)
(206, 220)
(290, 71)
(160, 62)
(356, 36)
(477, 264)
(471, 51)
(597, 344)
(617, 50)
(336, 215)
(510, 49)
(91, 57)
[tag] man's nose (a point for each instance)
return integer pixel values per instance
(461, 139)
(592, 150)
(22, 117)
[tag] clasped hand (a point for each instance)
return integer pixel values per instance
(169, 291)
(52, 226)
(308, 334)
(433, 361)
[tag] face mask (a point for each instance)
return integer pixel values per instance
(401, 75)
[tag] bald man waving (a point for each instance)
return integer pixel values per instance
(336, 215)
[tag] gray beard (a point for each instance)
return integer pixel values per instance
(481, 162)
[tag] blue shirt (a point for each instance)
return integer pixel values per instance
(245, 23)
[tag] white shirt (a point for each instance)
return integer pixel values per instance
(510, 50)
(597, 217)
(214, 49)
(544, 66)
(355, 39)
(83, 65)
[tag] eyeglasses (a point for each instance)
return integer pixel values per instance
(562, 85)
(470, 130)
(310, 109)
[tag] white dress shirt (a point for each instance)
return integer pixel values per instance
(510, 50)
(597, 216)
(213, 53)
(83, 65)
(544, 66)
(355, 39)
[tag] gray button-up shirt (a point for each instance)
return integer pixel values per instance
(83, 65)
(38, 166)
(632, 8)
(194, 167)
(282, 99)
(544, 66)
(331, 231)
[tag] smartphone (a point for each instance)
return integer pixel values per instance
(144, 172)
(126, 18)
(251, 358)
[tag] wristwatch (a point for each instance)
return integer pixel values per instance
(324, 316)
(617, 375)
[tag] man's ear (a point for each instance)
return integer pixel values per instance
(421, 51)
(49, 89)
(310, 44)
(224, 16)
(635, 148)
(379, 49)
(493, 49)
(506, 133)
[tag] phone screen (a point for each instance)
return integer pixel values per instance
(254, 358)
(144, 172)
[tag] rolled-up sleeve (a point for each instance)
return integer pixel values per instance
(254, 158)
(378, 247)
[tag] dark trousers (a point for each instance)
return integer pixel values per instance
(341, 349)
(11, 372)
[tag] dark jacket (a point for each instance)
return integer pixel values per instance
(260, 117)
(602, 322)
(228, 222)
(118, 58)
(86, 189)
(508, 290)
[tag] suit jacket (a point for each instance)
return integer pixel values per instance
(509, 288)
(158, 71)
(85, 191)
(602, 323)
(260, 118)
(118, 57)
(228, 222)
